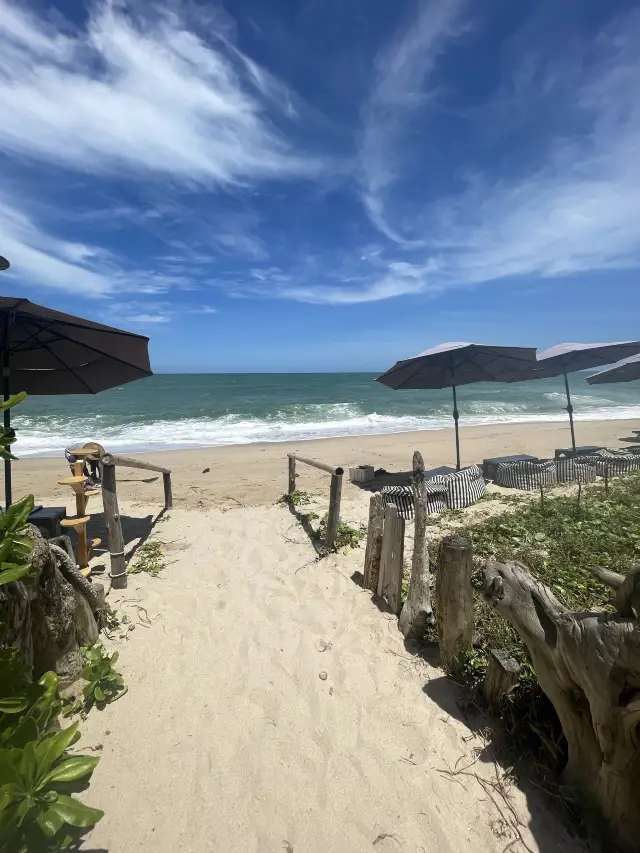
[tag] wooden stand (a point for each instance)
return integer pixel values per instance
(79, 523)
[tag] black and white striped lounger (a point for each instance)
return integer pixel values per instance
(403, 498)
(611, 463)
(526, 474)
(581, 469)
(463, 488)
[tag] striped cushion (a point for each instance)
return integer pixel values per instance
(582, 469)
(526, 474)
(403, 498)
(613, 462)
(463, 488)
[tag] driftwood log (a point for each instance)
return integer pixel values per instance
(50, 619)
(588, 664)
(416, 612)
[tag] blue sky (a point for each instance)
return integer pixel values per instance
(324, 185)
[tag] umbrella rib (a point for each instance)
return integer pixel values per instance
(109, 330)
(19, 347)
(95, 349)
(69, 368)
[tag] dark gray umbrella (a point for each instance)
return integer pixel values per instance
(624, 371)
(459, 363)
(562, 359)
(48, 352)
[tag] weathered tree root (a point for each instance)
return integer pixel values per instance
(50, 618)
(77, 579)
(588, 664)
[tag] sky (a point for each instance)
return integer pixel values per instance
(324, 185)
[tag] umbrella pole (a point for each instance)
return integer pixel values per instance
(6, 352)
(456, 416)
(570, 410)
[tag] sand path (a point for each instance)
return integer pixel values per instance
(228, 739)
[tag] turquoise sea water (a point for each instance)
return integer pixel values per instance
(175, 411)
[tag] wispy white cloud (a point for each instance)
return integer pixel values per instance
(399, 94)
(140, 91)
(145, 319)
(572, 207)
(43, 260)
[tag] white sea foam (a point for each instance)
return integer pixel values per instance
(343, 420)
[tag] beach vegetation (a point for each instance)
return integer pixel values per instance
(38, 775)
(559, 541)
(15, 545)
(347, 537)
(149, 559)
(104, 682)
(297, 498)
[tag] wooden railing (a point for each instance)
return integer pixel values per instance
(115, 539)
(335, 491)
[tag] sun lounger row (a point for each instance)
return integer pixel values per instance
(531, 474)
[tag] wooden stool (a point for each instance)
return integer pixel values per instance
(79, 523)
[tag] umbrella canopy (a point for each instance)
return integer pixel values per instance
(458, 363)
(562, 359)
(624, 371)
(47, 352)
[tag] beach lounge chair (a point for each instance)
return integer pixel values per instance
(403, 498)
(576, 470)
(462, 488)
(490, 466)
(526, 474)
(612, 463)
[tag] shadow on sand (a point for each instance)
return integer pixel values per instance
(136, 530)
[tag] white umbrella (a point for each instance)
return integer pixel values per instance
(624, 371)
(458, 363)
(562, 359)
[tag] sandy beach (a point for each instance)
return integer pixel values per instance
(271, 704)
(256, 474)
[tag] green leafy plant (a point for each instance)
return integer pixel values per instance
(37, 811)
(347, 536)
(15, 545)
(295, 498)
(7, 438)
(149, 559)
(105, 684)
(37, 776)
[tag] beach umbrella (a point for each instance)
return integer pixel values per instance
(624, 371)
(47, 352)
(458, 363)
(562, 359)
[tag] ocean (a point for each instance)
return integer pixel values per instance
(181, 411)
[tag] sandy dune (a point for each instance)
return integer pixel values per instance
(230, 740)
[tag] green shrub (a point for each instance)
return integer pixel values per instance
(104, 682)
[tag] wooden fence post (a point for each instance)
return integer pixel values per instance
(292, 474)
(417, 608)
(391, 564)
(114, 527)
(168, 494)
(502, 675)
(454, 600)
(374, 542)
(333, 519)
